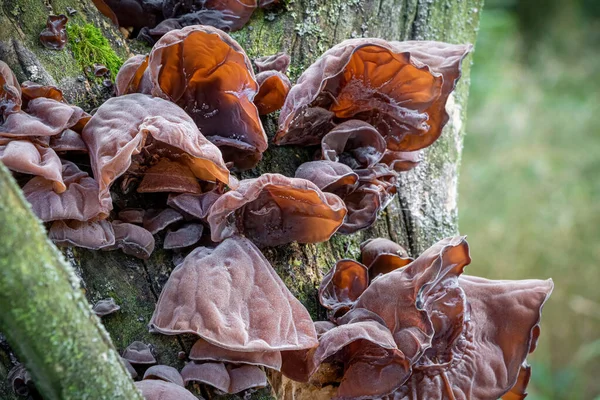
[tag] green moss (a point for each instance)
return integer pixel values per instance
(89, 47)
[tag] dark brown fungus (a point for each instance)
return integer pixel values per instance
(132, 240)
(343, 284)
(153, 389)
(131, 13)
(29, 158)
(400, 88)
(274, 210)
(132, 372)
(229, 14)
(519, 390)
(186, 236)
(246, 377)
(273, 89)
(33, 90)
(354, 143)
(231, 297)
(169, 176)
(277, 62)
(10, 91)
(139, 353)
(329, 176)
(363, 205)
(382, 255)
(195, 205)
(105, 307)
(132, 215)
(208, 74)
(401, 161)
(20, 380)
(106, 11)
(89, 235)
(54, 36)
(210, 373)
(132, 77)
(150, 129)
(381, 176)
(157, 220)
(100, 70)
(78, 202)
(164, 373)
(205, 351)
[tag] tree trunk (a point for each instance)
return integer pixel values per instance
(425, 209)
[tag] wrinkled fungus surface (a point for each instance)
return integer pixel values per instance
(54, 36)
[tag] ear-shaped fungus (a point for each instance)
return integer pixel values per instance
(230, 14)
(10, 91)
(208, 74)
(277, 62)
(195, 205)
(33, 90)
(164, 373)
(343, 285)
(363, 204)
(227, 379)
(401, 161)
(153, 389)
(139, 353)
(157, 220)
(273, 89)
(205, 351)
(354, 143)
(186, 236)
(89, 235)
(79, 201)
(132, 77)
(274, 210)
(400, 88)
(105, 307)
(329, 176)
(381, 256)
(54, 36)
(131, 13)
(155, 130)
(231, 297)
(132, 240)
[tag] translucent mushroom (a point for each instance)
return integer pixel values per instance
(153, 389)
(354, 143)
(273, 89)
(94, 235)
(329, 176)
(54, 36)
(185, 236)
(139, 353)
(343, 285)
(105, 307)
(205, 351)
(164, 373)
(277, 62)
(132, 240)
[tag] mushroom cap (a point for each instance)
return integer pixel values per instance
(329, 176)
(123, 125)
(343, 284)
(519, 390)
(186, 236)
(89, 235)
(205, 351)
(29, 158)
(354, 143)
(246, 377)
(66, 141)
(132, 372)
(54, 36)
(33, 90)
(401, 161)
(274, 210)
(273, 89)
(132, 240)
(157, 220)
(79, 201)
(139, 353)
(132, 76)
(382, 255)
(399, 87)
(229, 14)
(132, 215)
(169, 176)
(201, 65)
(363, 204)
(164, 373)
(105, 307)
(10, 91)
(276, 62)
(231, 297)
(153, 389)
(196, 205)
(210, 373)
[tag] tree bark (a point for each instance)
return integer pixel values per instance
(424, 211)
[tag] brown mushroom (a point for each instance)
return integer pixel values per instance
(105, 307)
(164, 373)
(274, 210)
(186, 236)
(273, 89)
(153, 129)
(132, 76)
(157, 220)
(153, 389)
(343, 285)
(401, 161)
(132, 372)
(10, 91)
(68, 141)
(139, 353)
(205, 351)
(381, 256)
(54, 36)
(363, 205)
(89, 235)
(277, 62)
(246, 377)
(169, 176)
(33, 90)
(29, 158)
(79, 201)
(354, 143)
(329, 176)
(132, 240)
(195, 205)
(231, 297)
(210, 373)
(519, 390)
(208, 74)
(132, 215)
(401, 88)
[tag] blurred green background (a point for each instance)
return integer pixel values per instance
(530, 175)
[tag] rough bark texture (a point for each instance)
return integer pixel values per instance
(424, 212)
(45, 315)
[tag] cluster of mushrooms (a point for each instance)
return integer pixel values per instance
(185, 118)
(151, 19)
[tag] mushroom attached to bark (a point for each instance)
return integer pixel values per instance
(150, 129)
(354, 143)
(401, 161)
(105, 307)
(89, 235)
(153, 389)
(277, 62)
(195, 205)
(343, 285)
(273, 89)
(139, 353)
(227, 379)
(132, 77)
(164, 373)
(205, 351)
(231, 297)
(157, 220)
(186, 236)
(400, 88)
(274, 210)
(32, 90)
(329, 176)
(382, 255)
(54, 36)
(10, 92)
(132, 240)
(79, 201)
(208, 74)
